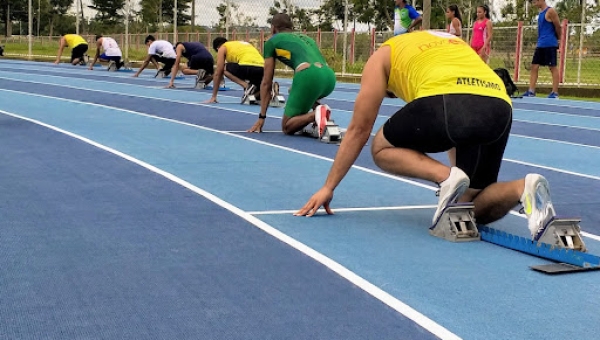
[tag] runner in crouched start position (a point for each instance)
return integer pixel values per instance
(454, 100)
(313, 79)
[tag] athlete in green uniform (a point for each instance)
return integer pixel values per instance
(313, 79)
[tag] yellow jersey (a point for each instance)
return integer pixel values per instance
(428, 63)
(73, 40)
(243, 53)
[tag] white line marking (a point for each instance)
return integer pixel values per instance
(360, 168)
(375, 291)
(404, 207)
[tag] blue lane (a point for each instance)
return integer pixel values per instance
(214, 118)
(483, 291)
(220, 163)
(94, 246)
(564, 156)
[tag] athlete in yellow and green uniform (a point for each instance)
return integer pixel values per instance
(313, 78)
(78, 47)
(453, 100)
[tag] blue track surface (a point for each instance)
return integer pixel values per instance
(133, 211)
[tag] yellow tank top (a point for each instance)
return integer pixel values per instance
(429, 63)
(74, 40)
(243, 53)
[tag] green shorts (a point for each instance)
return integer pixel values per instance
(308, 86)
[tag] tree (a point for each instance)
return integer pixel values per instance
(16, 10)
(150, 13)
(59, 9)
(301, 18)
(109, 11)
(231, 16)
(183, 6)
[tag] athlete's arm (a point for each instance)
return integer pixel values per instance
(265, 93)
(179, 51)
(488, 39)
(61, 47)
(218, 76)
(456, 24)
(144, 65)
(417, 18)
(372, 91)
(552, 16)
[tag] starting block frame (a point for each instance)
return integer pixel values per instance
(276, 101)
(333, 133)
(161, 74)
(560, 241)
(456, 223)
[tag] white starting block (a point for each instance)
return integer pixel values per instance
(563, 233)
(333, 133)
(276, 101)
(161, 74)
(457, 224)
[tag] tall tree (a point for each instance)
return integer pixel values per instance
(59, 9)
(109, 11)
(301, 18)
(230, 15)
(12, 10)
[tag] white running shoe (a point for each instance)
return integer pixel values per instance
(247, 92)
(450, 190)
(537, 205)
(200, 76)
(322, 115)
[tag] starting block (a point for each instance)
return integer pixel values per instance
(560, 241)
(563, 233)
(333, 133)
(161, 74)
(203, 86)
(276, 101)
(126, 67)
(456, 223)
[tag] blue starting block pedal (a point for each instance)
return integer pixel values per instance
(560, 241)
(456, 223)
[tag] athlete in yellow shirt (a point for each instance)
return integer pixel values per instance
(240, 62)
(454, 100)
(78, 47)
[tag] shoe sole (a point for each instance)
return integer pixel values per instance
(246, 94)
(460, 190)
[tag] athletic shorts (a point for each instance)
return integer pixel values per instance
(545, 56)
(478, 126)
(201, 63)
(308, 86)
(115, 58)
(78, 51)
(167, 62)
(252, 74)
